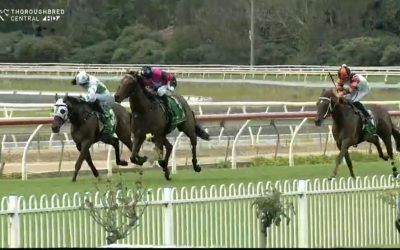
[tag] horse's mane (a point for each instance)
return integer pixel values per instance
(139, 79)
(76, 101)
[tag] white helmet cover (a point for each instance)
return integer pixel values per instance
(82, 78)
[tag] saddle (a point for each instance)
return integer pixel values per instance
(362, 116)
(363, 119)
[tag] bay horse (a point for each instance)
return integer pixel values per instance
(85, 129)
(347, 128)
(150, 117)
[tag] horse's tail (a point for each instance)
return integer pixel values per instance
(396, 135)
(200, 132)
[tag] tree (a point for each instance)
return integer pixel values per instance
(270, 210)
(118, 202)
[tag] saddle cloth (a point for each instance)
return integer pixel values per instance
(174, 111)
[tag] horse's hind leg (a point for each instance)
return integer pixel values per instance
(190, 131)
(375, 140)
(388, 143)
(115, 143)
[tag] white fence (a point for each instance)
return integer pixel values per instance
(338, 213)
(65, 71)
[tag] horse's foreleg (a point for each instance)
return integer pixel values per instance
(375, 140)
(164, 162)
(83, 149)
(349, 163)
(137, 143)
(343, 146)
(91, 165)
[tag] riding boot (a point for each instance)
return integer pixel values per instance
(107, 119)
(164, 99)
(368, 123)
(96, 107)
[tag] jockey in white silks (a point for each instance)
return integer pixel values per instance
(96, 90)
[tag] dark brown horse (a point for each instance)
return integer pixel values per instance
(150, 117)
(85, 129)
(347, 128)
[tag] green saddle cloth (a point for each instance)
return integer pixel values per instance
(175, 111)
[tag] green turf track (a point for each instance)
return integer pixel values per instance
(153, 178)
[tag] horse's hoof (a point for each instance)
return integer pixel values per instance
(122, 163)
(138, 160)
(166, 175)
(395, 174)
(385, 158)
(166, 170)
(331, 178)
(197, 168)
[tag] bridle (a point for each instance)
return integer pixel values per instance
(330, 107)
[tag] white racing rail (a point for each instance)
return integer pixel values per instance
(65, 70)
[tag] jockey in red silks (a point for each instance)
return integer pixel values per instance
(158, 80)
(354, 87)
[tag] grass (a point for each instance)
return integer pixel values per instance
(259, 170)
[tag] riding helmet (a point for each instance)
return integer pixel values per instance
(344, 72)
(82, 78)
(146, 72)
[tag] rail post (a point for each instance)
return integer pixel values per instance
(14, 236)
(303, 213)
(235, 142)
(24, 169)
(173, 154)
(168, 217)
(291, 161)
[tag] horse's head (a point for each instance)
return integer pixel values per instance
(127, 86)
(325, 105)
(60, 114)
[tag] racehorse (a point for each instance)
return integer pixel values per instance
(347, 128)
(150, 117)
(85, 129)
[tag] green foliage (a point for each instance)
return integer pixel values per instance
(270, 209)
(99, 53)
(391, 55)
(191, 31)
(359, 51)
(40, 49)
(118, 202)
(7, 45)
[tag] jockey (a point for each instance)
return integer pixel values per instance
(158, 80)
(354, 87)
(96, 90)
